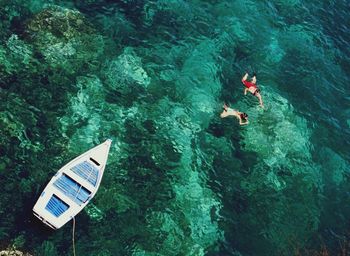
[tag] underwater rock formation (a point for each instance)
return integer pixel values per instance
(59, 23)
(16, 117)
(13, 252)
(16, 57)
(126, 72)
(281, 140)
(65, 38)
(94, 213)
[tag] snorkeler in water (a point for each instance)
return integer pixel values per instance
(227, 111)
(252, 87)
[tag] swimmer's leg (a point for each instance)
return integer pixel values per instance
(258, 95)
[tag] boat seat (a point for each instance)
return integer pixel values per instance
(87, 171)
(72, 189)
(56, 206)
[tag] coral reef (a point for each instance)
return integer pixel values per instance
(126, 72)
(13, 252)
(65, 38)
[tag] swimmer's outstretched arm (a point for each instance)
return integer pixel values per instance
(245, 77)
(254, 79)
(223, 114)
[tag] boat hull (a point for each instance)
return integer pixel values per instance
(72, 187)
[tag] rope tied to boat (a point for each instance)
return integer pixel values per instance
(73, 231)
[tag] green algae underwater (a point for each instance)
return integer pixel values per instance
(152, 76)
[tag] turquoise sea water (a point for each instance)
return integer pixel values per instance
(152, 76)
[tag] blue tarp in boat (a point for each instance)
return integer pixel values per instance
(56, 206)
(87, 171)
(72, 189)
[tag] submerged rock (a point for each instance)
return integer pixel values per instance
(125, 71)
(196, 229)
(280, 136)
(47, 248)
(64, 37)
(13, 252)
(19, 49)
(15, 57)
(281, 140)
(94, 213)
(60, 22)
(274, 51)
(335, 167)
(17, 118)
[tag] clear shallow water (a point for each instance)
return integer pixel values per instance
(152, 76)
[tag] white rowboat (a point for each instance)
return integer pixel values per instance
(72, 187)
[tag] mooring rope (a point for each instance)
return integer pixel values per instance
(73, 236)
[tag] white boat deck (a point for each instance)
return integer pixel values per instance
(72, 187)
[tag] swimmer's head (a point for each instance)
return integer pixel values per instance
(244, 116)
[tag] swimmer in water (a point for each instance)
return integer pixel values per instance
(252, 87)
(227, 111)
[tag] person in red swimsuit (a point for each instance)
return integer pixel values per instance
(251, 86)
